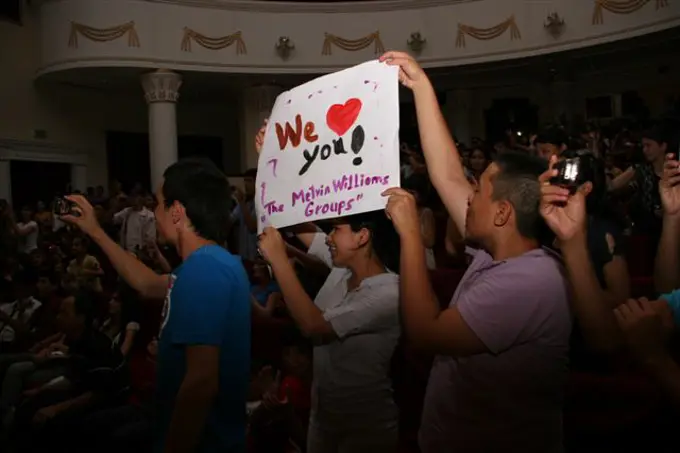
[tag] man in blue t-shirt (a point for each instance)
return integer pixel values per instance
(204, 340)
(204, 309)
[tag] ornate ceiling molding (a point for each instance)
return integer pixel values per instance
(320, 7)
(57, 14)
(276, 68)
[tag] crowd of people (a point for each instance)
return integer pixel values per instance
(164, 322)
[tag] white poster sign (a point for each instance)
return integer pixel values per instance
(331, 147)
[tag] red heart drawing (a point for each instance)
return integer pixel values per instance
(341, 117)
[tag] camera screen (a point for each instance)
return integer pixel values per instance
(568, 174)
(62, 206)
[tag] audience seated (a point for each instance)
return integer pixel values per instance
(121, 324)
(77, 347)
(93, 376)
(17, 318)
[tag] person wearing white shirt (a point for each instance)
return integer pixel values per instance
(354, 322)
(27, 230)
(15, 317)
(137, 225)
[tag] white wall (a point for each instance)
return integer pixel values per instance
(76, 119)
(23, 108)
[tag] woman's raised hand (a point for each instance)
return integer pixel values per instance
(411, 75)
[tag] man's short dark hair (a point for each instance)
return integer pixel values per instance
(517, 182)
(384, 238)
(661, 133)
(554, 135)
(204, 192)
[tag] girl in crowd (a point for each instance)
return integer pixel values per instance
(27, 231)
(479, 160)
(645, 207)
(120, 325)
(354, 323)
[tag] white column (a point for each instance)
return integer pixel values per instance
(161, 91)
(79, 177)
(458, 114)
(256, 105)
(5, 181)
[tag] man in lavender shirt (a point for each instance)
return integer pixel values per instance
(497, 382)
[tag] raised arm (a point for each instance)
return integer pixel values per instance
(310, 262)
(305, 233)
(565, 214)
(453, 241)
(27, 229)
(667, 266)
(266, 310)
(623, 180)
(426, 325)
(646, 330)
(306, 315)
(441, 155)
(137, 274)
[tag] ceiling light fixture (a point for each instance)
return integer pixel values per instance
(416, 42)
(284, 46)
(554, 24)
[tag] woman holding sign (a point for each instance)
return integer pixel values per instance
(354, 321)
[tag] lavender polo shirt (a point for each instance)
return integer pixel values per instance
(510, 398)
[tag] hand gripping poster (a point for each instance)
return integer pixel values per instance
(331, 147)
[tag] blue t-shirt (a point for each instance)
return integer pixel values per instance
(673, 300)
(207, 303)
(262, 294)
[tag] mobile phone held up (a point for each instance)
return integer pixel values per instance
(62, 206)
(570, 174)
